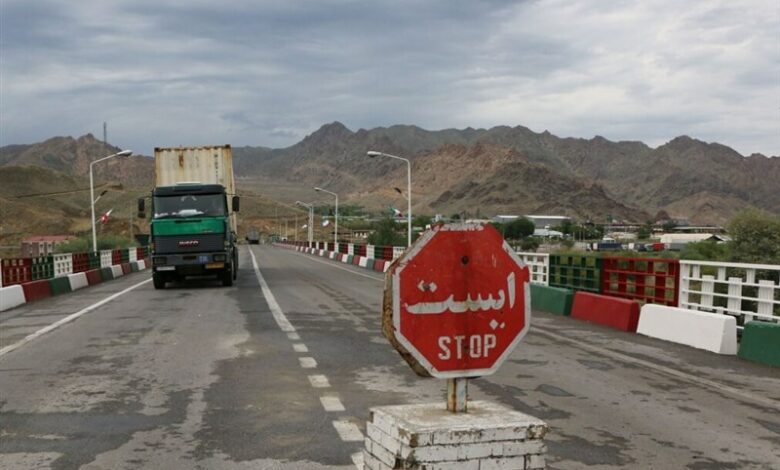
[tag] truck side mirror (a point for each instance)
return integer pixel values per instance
(236, 204)
(141, 208)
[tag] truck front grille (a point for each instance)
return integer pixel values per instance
(189, 243)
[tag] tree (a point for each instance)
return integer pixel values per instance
(421, 221)
(518, 229)
(644, 232)
(755, 236)
(386, 234)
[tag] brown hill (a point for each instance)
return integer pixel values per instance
(687, 178)
(73, 156)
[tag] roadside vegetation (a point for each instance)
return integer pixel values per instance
(104, 242)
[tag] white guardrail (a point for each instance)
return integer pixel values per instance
(743, 290)
(539, 264)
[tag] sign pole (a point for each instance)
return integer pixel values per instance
(457, 395)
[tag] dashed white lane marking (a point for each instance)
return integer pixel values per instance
(307, 362)
(319, 381)
(357, 459)
(331, 403)
(276, 311)
(662, 369)
(293, 336)
(67, 319)
(300, 348)
(348, 431)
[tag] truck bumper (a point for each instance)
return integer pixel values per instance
(191, 264)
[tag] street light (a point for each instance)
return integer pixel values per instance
(408, 196)
(310, 207)
(123, 153)
(336, 228)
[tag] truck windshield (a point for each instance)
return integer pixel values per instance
(189, 205)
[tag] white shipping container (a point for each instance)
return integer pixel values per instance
(206, 165)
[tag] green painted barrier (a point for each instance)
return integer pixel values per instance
(553, 300)
(761, 343)
(349, 259)
(59, 285)
(134, 266)
(578, 272)
(42, 268)
(107, 274)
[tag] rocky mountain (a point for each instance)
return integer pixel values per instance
(515, 170)
(73, 156)
(479, 171)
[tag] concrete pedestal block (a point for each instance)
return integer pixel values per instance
(428, 437)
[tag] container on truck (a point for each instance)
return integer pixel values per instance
(193, 215)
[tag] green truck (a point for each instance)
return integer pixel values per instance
(193, 215)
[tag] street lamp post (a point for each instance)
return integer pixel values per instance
(310, 207)
(373, 154)
(336, 228)
(92, 200)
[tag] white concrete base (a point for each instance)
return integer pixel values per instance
(426, 436)
(363, 262)
(11, 296)
(141, 264)
(116, 270)
(710, 331)
(77, 281)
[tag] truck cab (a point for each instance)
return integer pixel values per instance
(191, 233)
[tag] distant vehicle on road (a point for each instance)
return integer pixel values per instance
(253, 237)
(193, 226)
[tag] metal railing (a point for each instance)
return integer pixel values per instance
(747, 291)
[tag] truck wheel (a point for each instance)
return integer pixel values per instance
(227, 277)
(235, 267)
(158, 281)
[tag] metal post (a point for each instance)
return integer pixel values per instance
(457, 395)
(409, 201)
(296, 227)
(92, 205)
(336, 232)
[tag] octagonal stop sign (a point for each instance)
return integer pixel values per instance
(457, 302)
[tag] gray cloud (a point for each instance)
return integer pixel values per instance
(268, 73)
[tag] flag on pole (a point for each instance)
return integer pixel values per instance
(305, 226)
(325, 223)
(395, 212)
(104, 217)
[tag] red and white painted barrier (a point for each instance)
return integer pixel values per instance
(622, 314)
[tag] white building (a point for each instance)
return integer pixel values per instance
(547, 221)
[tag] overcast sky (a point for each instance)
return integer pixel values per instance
(186, 72)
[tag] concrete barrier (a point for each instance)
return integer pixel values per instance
(761, 343)
(710, 331)
(78, 281)
(59, 285)
(126, 268)
(11, 296)
(36, 290)
(94, 277)
(117, 271)
(107, 274)
(363, 262)
(621, 314)
(555, 300)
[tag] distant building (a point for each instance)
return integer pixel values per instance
(547, 221)
(543, 232)
(42, 245)
(684, 238)
(502, 219)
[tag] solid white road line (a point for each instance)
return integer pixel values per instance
(307, 362)
(348, 431)
(276, 311)
(331, 403)
(300, 348)
(706, 383)
(319, 381)
(67, 319)
(334, 265)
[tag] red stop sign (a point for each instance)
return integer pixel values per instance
(460, 301)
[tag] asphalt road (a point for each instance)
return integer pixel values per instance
(281, 376)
